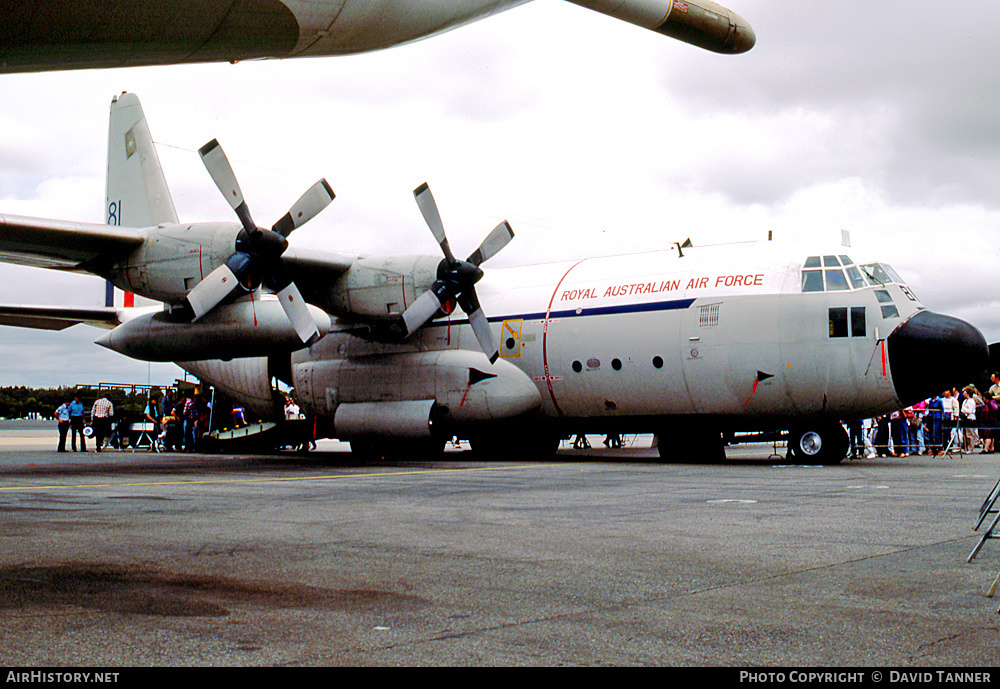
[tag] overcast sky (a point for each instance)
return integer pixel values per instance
(591, 136)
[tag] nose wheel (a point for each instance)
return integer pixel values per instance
(821, 444)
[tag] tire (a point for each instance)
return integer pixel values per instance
(823, 444)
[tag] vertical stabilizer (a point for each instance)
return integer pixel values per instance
(137, 193)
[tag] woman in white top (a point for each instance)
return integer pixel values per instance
(968, 412)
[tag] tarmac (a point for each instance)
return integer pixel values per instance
(592, 558)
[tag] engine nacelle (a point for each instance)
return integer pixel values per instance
(462, 385)
(175, 258)
(410, 420)
(383, 286)
(243, 329)
(699, 22)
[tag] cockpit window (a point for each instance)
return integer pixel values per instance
(812, 280)
(824, 273)
(835, 281)
(857, 282)
(892, 273)
(876, 274)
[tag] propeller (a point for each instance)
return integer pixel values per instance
(257, 258)
(456, 279)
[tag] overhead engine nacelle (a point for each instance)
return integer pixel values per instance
(382, 287)
(174, 259)
(699, 22)
(243, 329)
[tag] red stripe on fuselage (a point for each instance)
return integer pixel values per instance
(545, 338)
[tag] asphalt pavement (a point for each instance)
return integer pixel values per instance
(592, 558)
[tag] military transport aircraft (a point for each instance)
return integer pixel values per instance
(686, 343)
(54, 34)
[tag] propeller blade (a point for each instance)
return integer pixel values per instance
(222, 174)
(494, 242)
(480, 325)
(309, 205)
(216, 286)
(297, 312)
(421, 311)
(429, 209)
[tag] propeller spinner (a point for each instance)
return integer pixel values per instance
(456, 279)
(257, 258)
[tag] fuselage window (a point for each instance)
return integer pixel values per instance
(835, 281)
(890, 311)
(838, 322)
(812, 280)
(883, 296)
(858, 325)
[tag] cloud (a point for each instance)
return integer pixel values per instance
(590, 135)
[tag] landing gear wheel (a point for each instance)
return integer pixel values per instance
(825, 444)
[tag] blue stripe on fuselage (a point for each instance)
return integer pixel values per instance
(672, 305)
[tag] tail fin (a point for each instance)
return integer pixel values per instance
(137, 193)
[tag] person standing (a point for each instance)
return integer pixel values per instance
(933, 418)
(152, 416)
(62, 417)
(101, 415)
(189, 416)
(968, 415)
(76, 423)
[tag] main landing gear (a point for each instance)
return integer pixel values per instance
(821, 443)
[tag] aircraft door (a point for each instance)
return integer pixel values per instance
(730, 356)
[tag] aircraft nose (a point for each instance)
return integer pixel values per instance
(932, 352)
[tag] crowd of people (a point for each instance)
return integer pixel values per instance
(952, 421)
(175, 422)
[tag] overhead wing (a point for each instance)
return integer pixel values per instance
(62, 244)
(314, 272)
(59, 317)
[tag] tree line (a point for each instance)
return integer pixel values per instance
(19, 402)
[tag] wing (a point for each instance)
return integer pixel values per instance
(59, 317)
(64, 245)
(314, 273)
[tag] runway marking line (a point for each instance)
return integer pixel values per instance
(272, 479)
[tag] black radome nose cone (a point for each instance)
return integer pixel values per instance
(931, 352)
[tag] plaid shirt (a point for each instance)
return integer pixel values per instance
(102, 409)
